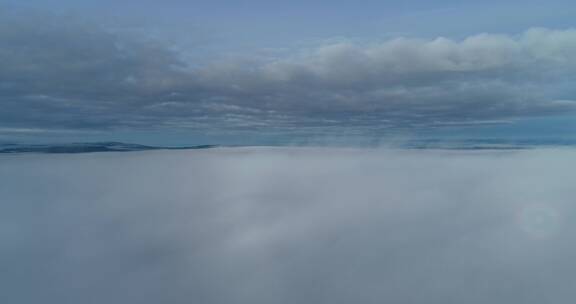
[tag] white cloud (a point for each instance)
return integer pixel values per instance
(288, 225)
(66, 73)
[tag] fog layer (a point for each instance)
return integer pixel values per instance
(288, 225)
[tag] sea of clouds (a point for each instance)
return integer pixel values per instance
(289, 225)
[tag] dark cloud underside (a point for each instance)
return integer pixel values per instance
(58, 72)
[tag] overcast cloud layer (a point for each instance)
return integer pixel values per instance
(288, 226)
(63, 73)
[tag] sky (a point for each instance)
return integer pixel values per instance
(266, 72)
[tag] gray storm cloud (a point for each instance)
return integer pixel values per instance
(288, 225)
(61, 72)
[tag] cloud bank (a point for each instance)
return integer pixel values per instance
(287, 225)
(58, 72)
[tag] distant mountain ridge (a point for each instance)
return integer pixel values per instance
(88, 147)
(486, 144)
(434, 144)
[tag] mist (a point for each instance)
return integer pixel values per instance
(289, 225)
